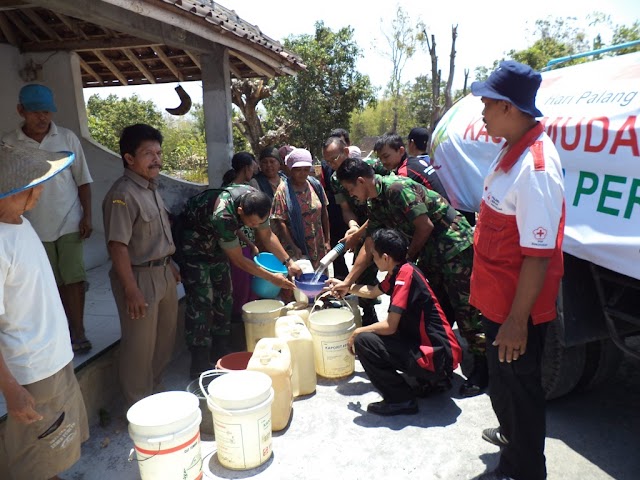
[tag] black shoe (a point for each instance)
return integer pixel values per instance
(199, 361)
(426, 388)
(369, 316)
(493, 435)
(494, 475)
(478, 380)
(410, 407)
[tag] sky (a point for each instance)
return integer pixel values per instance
(486, 31)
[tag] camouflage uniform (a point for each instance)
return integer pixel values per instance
(446, 258)
(370, 275)
(210, 224)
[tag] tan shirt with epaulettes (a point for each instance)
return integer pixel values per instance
(135, 215)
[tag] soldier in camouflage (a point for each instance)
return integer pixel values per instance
(354, 213)
(446, 259)
(208, 242)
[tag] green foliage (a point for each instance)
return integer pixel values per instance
(324, 95)
(108, 116)
(623, 34)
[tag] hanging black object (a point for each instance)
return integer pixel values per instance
(185, 104)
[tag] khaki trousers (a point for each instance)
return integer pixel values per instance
(146, 344)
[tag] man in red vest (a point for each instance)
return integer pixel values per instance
(517, 265)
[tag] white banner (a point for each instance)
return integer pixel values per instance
(592, 113)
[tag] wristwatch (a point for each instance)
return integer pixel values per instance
(287, 261)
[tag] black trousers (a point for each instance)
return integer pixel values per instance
(518, 400)
(382, 356)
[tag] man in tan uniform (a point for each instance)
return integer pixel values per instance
(143, 278)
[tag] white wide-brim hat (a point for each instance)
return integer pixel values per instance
(22, 168)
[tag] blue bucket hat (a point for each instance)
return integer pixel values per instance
(513, 82)
(37, 98)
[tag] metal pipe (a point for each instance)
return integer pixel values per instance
(556, 61)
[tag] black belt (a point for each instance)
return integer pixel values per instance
(163, 262)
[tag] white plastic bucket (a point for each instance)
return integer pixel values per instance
(240, 402)
(259, 319)
(330, 330)
(165, 429)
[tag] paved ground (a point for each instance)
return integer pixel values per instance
(590, 436)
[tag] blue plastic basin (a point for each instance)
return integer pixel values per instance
(309, 288)
(264, 288)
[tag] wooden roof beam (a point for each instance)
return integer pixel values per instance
(139, 65)
(41, 24)
(167, 61)
(91, 71)
(194, 58)
(26, 31)
(90, 45)
(260, 68)
(7, 30)
(71, 25)
(111, 66)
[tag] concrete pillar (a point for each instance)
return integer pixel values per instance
(216, 99)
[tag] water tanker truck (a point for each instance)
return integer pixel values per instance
(592, 114)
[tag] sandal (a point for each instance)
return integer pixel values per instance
(81, 346)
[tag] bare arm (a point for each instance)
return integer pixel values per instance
(423, 228)
(364, 259)
(20, 403)
(273, 245)
(84, 194)
(512, 335)
(325, 226)
(239, 260)
(136, 304)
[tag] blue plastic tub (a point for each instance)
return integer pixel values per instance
(264, 288)
(309, 288)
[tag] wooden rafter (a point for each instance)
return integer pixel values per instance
(7, 30)
(235, 70)
(111, 66)
(258, 67)
(139, 65)
(90, 45)
(167, 61)
(26, 31)
(71, 25)
(194, 58)
(91, 71)
(41, 24)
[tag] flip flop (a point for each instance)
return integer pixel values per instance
(81, 346)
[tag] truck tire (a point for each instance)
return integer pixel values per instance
(602, 361)
(562, 367)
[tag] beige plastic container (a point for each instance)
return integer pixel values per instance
(299, 309)
(272, 357)
(240, 403)
(330, 330)
(293, 330)
(259, 319)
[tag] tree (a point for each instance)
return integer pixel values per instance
(107, 117)
(246, 95)
(324, 95)
(624, 34)
(402, 45)
(440, 107)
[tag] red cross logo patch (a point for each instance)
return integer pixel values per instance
(540, 234)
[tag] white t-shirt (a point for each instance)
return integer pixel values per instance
(59, 210)
(34, 336)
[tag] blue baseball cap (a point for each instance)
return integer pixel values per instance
(37, 98)
(513, 82)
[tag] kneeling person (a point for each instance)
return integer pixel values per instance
(415, 338)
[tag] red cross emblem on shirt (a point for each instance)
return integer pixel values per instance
(540, 234)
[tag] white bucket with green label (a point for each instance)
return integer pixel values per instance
(331, 330)
(240, 402)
